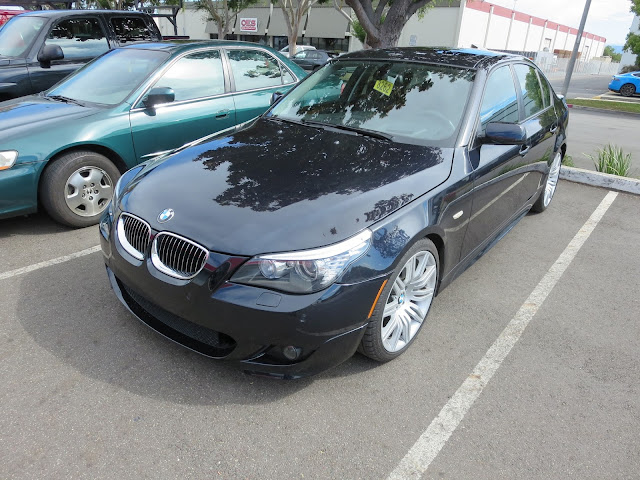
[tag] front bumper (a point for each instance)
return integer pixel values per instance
(243, 324)
(18, 189)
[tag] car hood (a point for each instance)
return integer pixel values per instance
(280, 187)
(28, 114)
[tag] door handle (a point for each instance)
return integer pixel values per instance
(554, 129)
(524, 150)
(222, 114)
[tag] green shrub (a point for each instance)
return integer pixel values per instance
(611, 159)
(567, 160)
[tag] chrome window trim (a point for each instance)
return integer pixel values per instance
(122, 237)
(152, 81)
(280, 62)
(155, 259)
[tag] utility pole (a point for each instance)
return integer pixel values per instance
(576, 47)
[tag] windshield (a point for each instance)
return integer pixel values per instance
(407, 102)
(110, 79)
(17, 35)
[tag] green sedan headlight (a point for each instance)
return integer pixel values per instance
(7, 159)
(305, 271)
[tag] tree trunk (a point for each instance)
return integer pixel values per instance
(384, 30)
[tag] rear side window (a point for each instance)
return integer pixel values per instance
(79, 38)
(198, 75)
(130, 29)
(546, 91)
(532, 97)
(500, 101)
(254, 69)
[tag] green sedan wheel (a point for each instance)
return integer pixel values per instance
(76, 188)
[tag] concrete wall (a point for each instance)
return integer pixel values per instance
(436, 29)
(499, 28)
(629, 58)
(190, 22)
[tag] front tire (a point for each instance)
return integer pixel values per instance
(551, 183)
(403, 304)
(627, 90)
(76, 188)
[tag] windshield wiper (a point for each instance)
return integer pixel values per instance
(360, 131)
(275, 118)
(65, 99)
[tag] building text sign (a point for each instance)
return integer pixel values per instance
(249, 25)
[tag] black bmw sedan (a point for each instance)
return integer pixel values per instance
(329, 224)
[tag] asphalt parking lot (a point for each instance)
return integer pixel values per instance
(89, 392)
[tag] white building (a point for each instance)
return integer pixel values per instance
(450, 24)
(629, 58)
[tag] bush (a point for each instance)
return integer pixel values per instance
(567, 160)
(629, 68)
(611, 159)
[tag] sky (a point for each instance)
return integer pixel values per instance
(608, 18)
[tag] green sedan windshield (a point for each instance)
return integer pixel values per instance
(406, 102)
(110, 79)
(17, 35)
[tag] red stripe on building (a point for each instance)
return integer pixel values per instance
(523, 17)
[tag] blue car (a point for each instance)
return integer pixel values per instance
(626, 84)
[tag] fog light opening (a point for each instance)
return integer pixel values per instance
(291, 353)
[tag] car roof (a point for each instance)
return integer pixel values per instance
(459, 57)
(67, 13)
(183, 46)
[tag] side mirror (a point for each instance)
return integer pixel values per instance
(276, 97)
(48, 54)
(505, 134)
(158, 96)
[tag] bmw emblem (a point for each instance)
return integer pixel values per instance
(165, 215)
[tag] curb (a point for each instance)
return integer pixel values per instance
(602, 110)
(598, 179)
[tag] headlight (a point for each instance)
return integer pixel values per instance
(7, 159)
(305, 271)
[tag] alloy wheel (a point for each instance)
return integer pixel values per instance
(88, 191)
(552, 179)
(627, 90)
(408, 301)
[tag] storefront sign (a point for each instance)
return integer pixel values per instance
(248, 24)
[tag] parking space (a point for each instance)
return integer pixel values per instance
(90, 392)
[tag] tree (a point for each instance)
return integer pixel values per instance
(633, 45)
(610, 52)
(223, 12)
(294, 11)
(383, 23)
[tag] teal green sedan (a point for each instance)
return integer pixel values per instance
(65, 149)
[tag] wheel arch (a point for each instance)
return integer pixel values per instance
(96, 148)
(438, 241)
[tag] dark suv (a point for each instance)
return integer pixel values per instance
(40, 48)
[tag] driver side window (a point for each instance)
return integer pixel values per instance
(500, 101)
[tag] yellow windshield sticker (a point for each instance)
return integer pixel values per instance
(383, 87)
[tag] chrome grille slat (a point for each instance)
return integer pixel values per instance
(134, 235)
(177, 256)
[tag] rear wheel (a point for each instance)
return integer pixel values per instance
(627, 90)
(77, 187)
(403, 305)
(550, 185)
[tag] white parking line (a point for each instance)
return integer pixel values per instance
(426, 449)
(48, 263)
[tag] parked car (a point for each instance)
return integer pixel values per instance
(299, 48)
(65, 149)
(311, 59)
(626, 84)
(329, 223)
(7, 12)
(40, 48)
